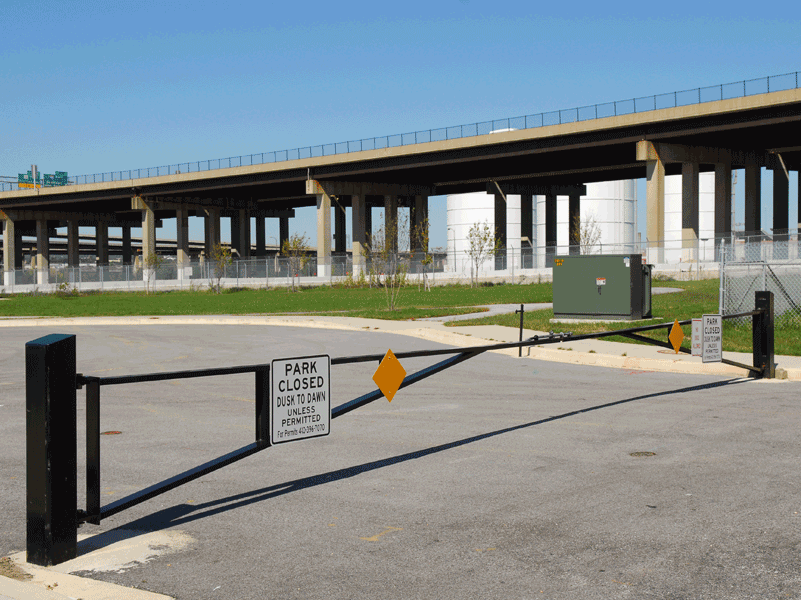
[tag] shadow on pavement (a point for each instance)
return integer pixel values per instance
(185, 513)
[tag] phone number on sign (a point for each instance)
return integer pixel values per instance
(311, 429)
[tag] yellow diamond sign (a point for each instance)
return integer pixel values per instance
(676, 336)
(389, 375)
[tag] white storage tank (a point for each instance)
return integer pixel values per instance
(611, 205)
(674, 251)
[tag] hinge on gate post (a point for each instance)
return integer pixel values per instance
(79, 381)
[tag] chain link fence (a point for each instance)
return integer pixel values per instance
(754, 266)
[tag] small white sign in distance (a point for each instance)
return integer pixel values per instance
(300, 398)
(698, 338)
(712, 331)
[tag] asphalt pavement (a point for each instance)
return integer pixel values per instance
(498, 478)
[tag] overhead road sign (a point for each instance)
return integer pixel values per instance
(300, 399)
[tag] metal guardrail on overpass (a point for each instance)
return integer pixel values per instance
(725, 91)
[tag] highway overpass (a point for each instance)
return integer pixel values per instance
(750, 132)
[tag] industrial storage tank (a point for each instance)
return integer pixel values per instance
(611, 205)
(674, 250)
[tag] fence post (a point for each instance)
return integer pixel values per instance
(51, 450)
(762, 327)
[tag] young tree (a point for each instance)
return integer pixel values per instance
(151, 264)
(420, 235)
(481, 244)
(295, 249)
(220, 258)
(589, 233)
(389, 265)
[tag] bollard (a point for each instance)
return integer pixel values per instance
(51, 450)
(762, 331)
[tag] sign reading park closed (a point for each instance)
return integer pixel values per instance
(300, 399)
(712, 344)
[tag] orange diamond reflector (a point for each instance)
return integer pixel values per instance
(676, 336)
(389, 375)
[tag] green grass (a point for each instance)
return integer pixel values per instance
(358, 302)
(698, 298)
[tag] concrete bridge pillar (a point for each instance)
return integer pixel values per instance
(101, 243)
(722, 203)
(753, 198)
(655, 198)
(689, 210)
(283, 232)
(391, 221)
(127, 250)
(323, 235)
(574, 222)
(781, 212)
(500, 230)
(526, 230)
(211, 229)
(261, 233)
(240, 232)
(73, 244)
(182, 240)
(12, 251)
(550, 226)
(420, 223)
(340, 238)
(358, 243)
(42, 252)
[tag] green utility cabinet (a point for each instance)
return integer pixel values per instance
(610, 286)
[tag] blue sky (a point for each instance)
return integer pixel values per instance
(103, 86)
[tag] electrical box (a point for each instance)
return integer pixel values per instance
(609, 286)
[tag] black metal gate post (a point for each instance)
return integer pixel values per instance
(763, 335)
(51, 449)
(522, 312)
(263, 407)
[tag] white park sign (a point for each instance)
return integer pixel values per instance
(300, 398)
(712, 340)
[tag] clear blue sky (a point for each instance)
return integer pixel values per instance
(102, 86)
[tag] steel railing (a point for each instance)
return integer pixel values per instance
(725, 91)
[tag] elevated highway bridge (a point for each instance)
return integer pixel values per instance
(750, 133)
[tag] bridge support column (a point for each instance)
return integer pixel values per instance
(781, 212)
(358, 244)
(148, 235)
(391, 221)
(12, 252)
(73, 244)
(550, 226)
(261, 233)
(500, 231)
(655, 193)
(101, 243)
(242, 221)
(42, 252)
(340, 239)
(368, 222)
(722, 204)
(182, 242)
(283, 232)
(211, 229)
(689, 210)
(323, 235)
(753, 199)
(127, 250)
(526, 231)
(419, 234)
(574, 222)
